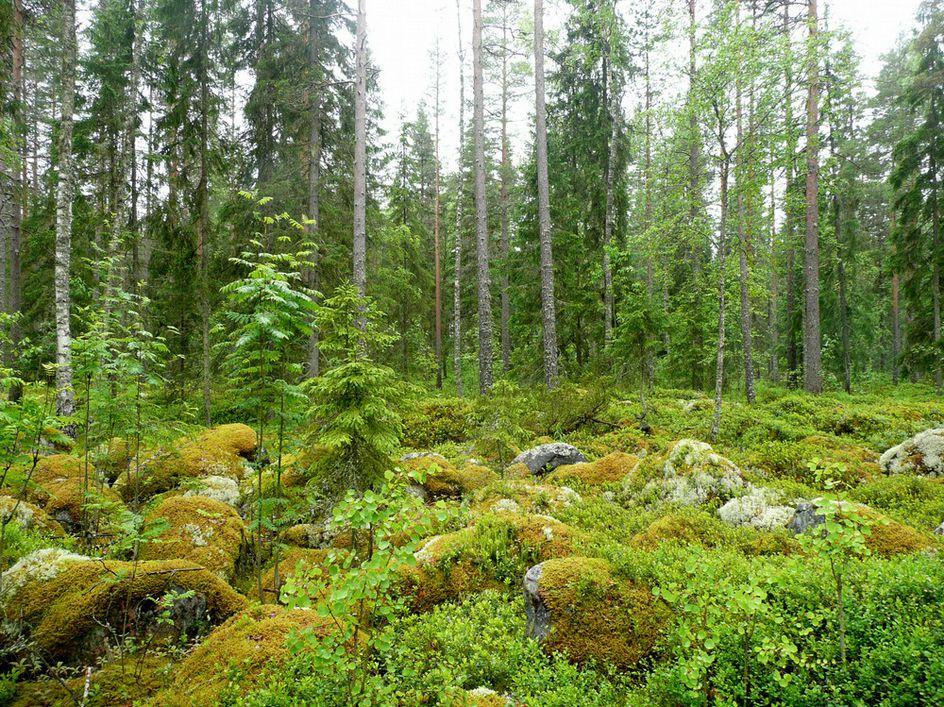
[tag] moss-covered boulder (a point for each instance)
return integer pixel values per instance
(29, 516)
(114, 458)
(124, 681)
(59, 467)
(693, 474)
(218, 488)
(219, 451)
(610, 469)
(291, 560)
(306, 535)
(443, 478)
(72, 608)
(544, 458)
(92, 510)
(922, 455)
(577, 606)
(244, 647)
(520, 495)
(492, 553)
(199, 529)
(438, 421)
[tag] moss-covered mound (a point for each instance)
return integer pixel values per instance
(114, 458)
(202, 530)
(578, 607)
(437, 421)
(59, 467)
(691, 474)
(922, 455)
(444, 479)
(243, 647)
(220, 451)
(118, 682)
(887, 537)
(492, 553)
(291, 560)
(839, 460)
(693, 526)
(29, 516)
(72, 607)
(607, 470)
(520, 495)
(310, 535)
(91, 510)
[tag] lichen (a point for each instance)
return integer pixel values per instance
(202, 530)
(693, 474)
(218, 488)
(758, 508)
(596, 616)
(922, 455)
(39, 566)
(29, 516)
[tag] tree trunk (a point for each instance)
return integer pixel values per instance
(812, 343)
(360, 150)
(481, 212)
(505, 177)
(650, 365)
(314, 173)
(611, 103)
(896, 317)
(15, 285)
(789, 237)
(773, 324)
(743, 246)
(722, 297)
(548, 313)
(457, 251)
(203, 210)
(65, 397)
(936, 276)
(437, 264)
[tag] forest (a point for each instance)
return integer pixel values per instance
(609, 372)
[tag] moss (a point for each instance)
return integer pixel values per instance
(308, 535)
(118, 682)
(71, 614)
(434, 422)
(97, 513)
(887, 537)
(220, 451)
(30, 516)
(242, 648)
(521, 495)
(114, 458)
(445, 480)
(914, 500)
(607, 470)
(202, 530)
(848, 463)
(290, 561)
(492, 553)
(596, 616)
(517, 471)
(59, 467)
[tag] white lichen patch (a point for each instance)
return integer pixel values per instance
(922, 455)
(199, 535)
(427, 554)
(39, 566)
(506, 505)
(219, 488)
(694, 474)
(756, 509)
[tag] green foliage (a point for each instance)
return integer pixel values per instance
(354, 404)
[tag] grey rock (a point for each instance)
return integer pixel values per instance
(536, 611)
(805, 517)
(544, 458)
(939, 530)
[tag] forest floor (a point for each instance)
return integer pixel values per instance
(793, 560)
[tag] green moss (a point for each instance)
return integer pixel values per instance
(67, 612)
(118, 682)
(610, 469)
(202, 530)
(242, 648)
(30, 516)
(79, 510)
(291, 559)
(522, 495)
(914, 500)
(492, 553)
(434, 422)
(445, 480)
(59, 467)
(220, 451)
(887, 537)
(596, 616)
(847, 462)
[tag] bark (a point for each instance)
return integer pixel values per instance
(483, 279)
(203, 210)
(360, 150)
(793, 358)
(722, 297)
(503, 197)
(896, 317)
(548, 313)
(65, 396)
(437, 256)
(457, 252)
(936, 276)
(15, 284)
(313, 367)
(743, 247)
(650, 365)
(773, 324)
(812, 341)
(609, 206)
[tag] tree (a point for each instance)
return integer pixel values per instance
(812, 343)
(65, 397)
(360, 149)
(483, 278)
(548, 310)
(457, 249)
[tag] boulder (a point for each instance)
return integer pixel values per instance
(444, 479)
(610, 469)
(73, 608)
(29, 516)
(291, 560)
(576, 605)
(694, 474)
(758, 508)
(805, 516)
(202, 530)
(544, 458)
(922, 455)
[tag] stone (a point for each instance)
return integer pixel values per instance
(922, 455)
(544, 458)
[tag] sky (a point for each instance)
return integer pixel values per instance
(402, 35)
